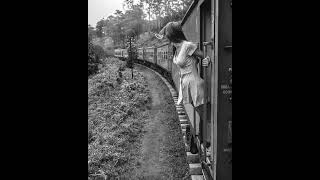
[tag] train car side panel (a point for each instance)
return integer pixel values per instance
(163, 59)
(140, 53)
(149, 54)
(191, 27)
(224, 89)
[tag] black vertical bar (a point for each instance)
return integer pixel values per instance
(204, 120)
(130, 58)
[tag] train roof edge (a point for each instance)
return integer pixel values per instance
(191, 7)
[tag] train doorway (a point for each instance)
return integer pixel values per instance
(206, 45)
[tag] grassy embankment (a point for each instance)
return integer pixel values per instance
(116, 114)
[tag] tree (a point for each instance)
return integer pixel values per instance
(133, 18)
(165, 11)
(93, 60)
(99, 28)
(91, 32)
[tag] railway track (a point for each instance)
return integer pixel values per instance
(195, 168)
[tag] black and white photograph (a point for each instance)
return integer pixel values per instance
(159, 89)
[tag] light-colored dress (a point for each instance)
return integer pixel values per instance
(191, 89)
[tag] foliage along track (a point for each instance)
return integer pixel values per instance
(116, 116)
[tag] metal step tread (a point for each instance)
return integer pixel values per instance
(197, 177)
(195, 169)
(183, 122)
(192, 158)
(183, 126)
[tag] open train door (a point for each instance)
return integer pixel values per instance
(222, 91)
(207, 46)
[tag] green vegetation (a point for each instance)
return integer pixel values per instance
(116, 114)
(96, 56)
(138, 19)
(93, 60)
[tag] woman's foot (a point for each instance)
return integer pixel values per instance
(209, 150)
(208, 144)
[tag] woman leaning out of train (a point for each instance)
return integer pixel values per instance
(186, 56)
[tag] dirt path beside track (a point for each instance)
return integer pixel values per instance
(162, 151)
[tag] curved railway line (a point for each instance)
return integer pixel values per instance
(162, 154)
(195, 170)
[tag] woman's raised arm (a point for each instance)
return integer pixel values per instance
(199, 54)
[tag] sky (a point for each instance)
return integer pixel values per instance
(97, 9)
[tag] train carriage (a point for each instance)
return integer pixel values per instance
(150, 54)
(140, 53)
(124, 53)
(164, 56)
(117, 52)
(121, 53)
(209, 23)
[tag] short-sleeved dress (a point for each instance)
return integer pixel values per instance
(191, 89)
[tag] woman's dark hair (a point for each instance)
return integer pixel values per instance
(173, 31)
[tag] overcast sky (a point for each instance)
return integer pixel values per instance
(97, 9)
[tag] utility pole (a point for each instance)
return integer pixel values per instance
(130, 58)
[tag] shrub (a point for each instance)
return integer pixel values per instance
(98, 50)
(93, 60)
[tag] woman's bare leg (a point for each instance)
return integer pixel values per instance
(200, 111)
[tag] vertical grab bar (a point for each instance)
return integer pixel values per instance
(194, 111)
(205, 106)
(204, 120)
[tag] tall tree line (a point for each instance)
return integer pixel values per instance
(137, 18)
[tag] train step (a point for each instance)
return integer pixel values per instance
(182, 116)
(183, 121)
(192, 158)
(179, 109)
(195, 169)
(184, 126)
(197, 177)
